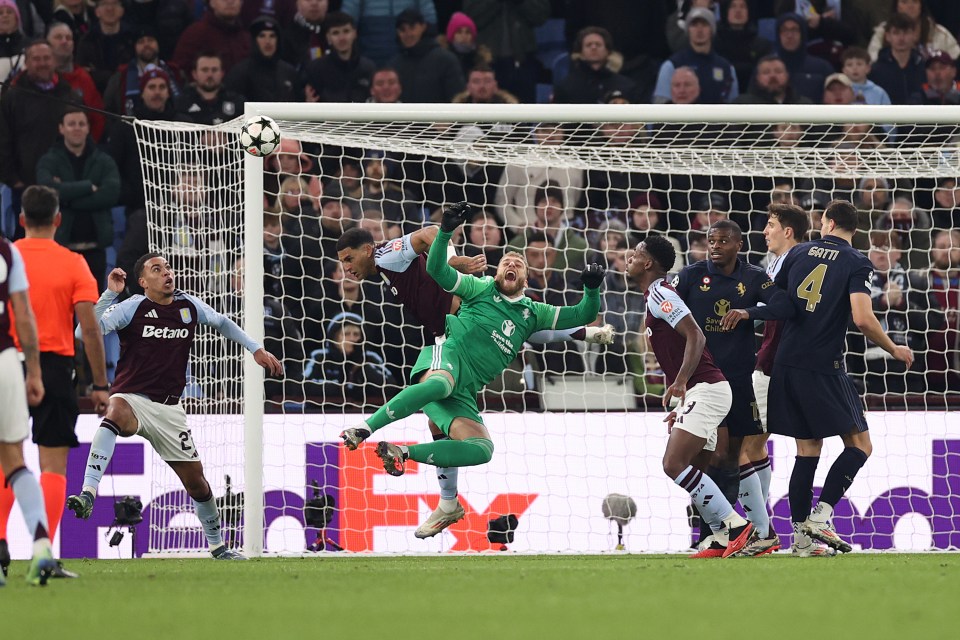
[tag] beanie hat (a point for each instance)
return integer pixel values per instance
(10, 4)
(457, 21)
(263, 23)
(150, 72)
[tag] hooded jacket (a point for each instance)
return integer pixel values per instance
(261, 79)
(338, 80)
(229, 39)
(807, 72)
(123, 148)
(428, 72)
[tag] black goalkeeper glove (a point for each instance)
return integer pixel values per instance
(454, 216)
(592, 275)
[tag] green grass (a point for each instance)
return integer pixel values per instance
(493, 597)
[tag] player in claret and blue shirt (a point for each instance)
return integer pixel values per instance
(156, 333)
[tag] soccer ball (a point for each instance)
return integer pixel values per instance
(260, 136)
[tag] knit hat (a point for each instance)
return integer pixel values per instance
(263, 23)
(145, 31)
(10, 4)
(410, 16)
(457, 21)
(150, 72)
(701, 13)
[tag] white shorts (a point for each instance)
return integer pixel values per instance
(761, 388)
(15, 417)
(704, 408)
(164, 426)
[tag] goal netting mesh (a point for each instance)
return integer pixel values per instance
(572, 422)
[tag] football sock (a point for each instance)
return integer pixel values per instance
(727, 480)
(557, 335)
(101, 450)
(801, 487)
(453, 453)
(751, 499)
(411, 400)
(841, 475)
(764, 472)
(54, 487)
(6, 506)
(705, 493)
(27, 490)
(447, 479)
(210, 519)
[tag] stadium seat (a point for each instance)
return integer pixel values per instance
(551, 41)
(544, 93)
(560, 67)
(767, 28)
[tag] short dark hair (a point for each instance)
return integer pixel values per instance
(843, 213)
(142, 261)
(481, 67)
(71, 110)
(338, 19)
(661, 250)
(900, 21)
(354, 239)
(591, 31)
(727, 225)
(537, 236)
(855, 53)
(207, 53)
(790, 216)
(39, 205)
(549, 189)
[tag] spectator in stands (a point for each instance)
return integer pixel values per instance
(153, 103)
(281, 271)
(931, 36)
(590, 77)
(622, 305)
(29, 119)
(60, 39)
(462, 42)
(771, 85)
(283, 11)
(11, 40)
(899, 66)
(807, 72)
(684, 86)
(377, 22)
(718, 79)
(826, 26)
(427, 71)
(678, 21)
(506, 29)
(484, 236)
(482, 89)
(838, 89)
(288, 161)
(645, 218)
(263, 76)
(737, 41)
(207, 101)
(385, 87)
(88, 183)
(219, 29)
(168, 19)
(124, 87)
(943, 280)
(872, 198)
(301, 222)
(941, 87)
(911, 225)
(520, 184)
(707, 209)
(303, 39)
(856, 66)
(696, 246)
(341, 292)
(75, 14)
(551, 222)
(107, 45)
(343, 75)
(946, 207)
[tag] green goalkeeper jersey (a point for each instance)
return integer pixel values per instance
(491, 328)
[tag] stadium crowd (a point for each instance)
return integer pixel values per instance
(341, 339)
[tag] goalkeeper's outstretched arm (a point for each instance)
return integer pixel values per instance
(437, 267)
(585, 311)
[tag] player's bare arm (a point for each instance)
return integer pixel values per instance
(27, 333)
(861, 307)
(93, 346)
(692, 351)
(117, 280)
(422, 239)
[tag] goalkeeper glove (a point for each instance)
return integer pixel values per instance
(592, 275)
(454, 216)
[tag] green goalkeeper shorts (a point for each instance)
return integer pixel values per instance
(462, 403)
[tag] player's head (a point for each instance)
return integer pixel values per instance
(787, 224)
(355, 251)
(154, 274)
(655, 254)
(840, 217)
(724, 241)
(39, 207)
(511, 276)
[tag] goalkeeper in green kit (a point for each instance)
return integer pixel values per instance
(494, 320)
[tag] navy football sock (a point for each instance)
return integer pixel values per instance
(841, 475)
(801, 487)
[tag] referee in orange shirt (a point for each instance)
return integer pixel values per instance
(61, 285)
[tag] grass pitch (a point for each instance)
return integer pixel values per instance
(493, 597)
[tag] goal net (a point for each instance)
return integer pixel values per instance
(572, 422)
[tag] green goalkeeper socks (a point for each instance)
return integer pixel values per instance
(411, 400)
(453, 453)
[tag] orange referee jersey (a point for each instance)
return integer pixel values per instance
(59, 279)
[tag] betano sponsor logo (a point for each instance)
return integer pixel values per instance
(165, 333)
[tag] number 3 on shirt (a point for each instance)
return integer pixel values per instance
(809, 289)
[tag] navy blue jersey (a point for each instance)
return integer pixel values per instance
(710, 295)
(819, 277)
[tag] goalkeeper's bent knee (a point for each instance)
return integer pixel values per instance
(439, 385)
(483, 448)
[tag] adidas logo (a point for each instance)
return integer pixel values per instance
(95, 467)
(151, 314)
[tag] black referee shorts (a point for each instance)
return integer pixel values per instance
(55, 419)
(744, 417)
(811, 406)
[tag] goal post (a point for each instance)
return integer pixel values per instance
(566, 437)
